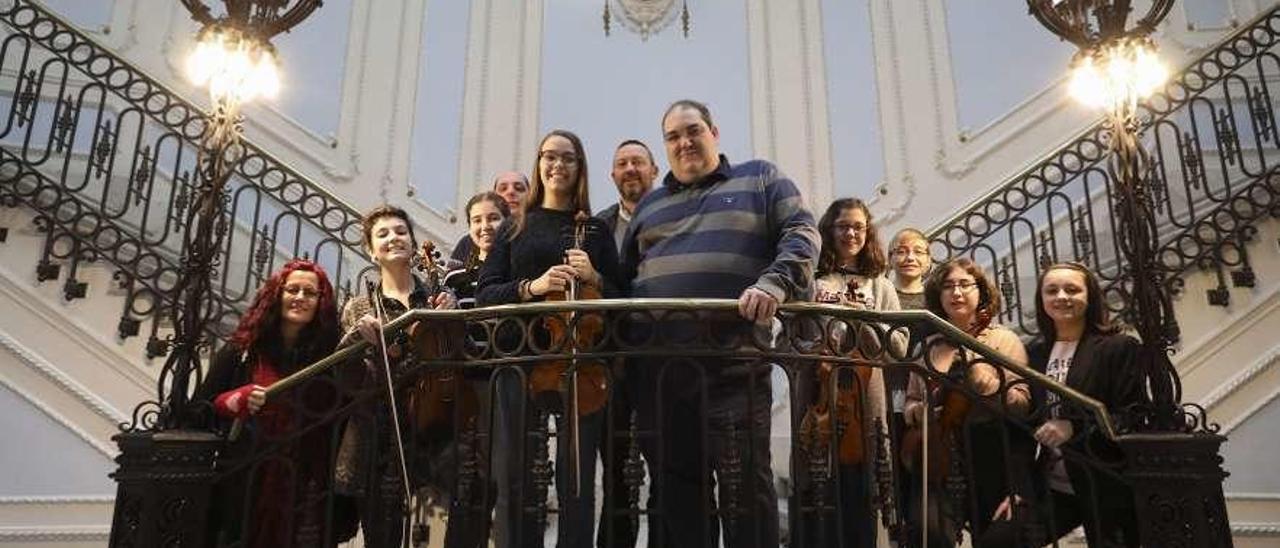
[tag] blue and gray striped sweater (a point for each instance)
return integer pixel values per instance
(742, 225)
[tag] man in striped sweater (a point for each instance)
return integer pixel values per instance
(714, 230)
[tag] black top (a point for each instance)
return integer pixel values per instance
(547, 234)
(462, 250)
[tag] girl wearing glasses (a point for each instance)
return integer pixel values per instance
(292, 322)
(909, 256)
(533, 256)
(851, 269)
(965, 436)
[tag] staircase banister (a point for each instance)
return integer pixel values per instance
(1098, 130)
(730, 306)
(161, 113)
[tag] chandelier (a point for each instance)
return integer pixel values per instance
(1115, 67)
(233, 56)
(646, 17)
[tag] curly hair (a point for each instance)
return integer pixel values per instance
(988, 294)
(259, 328)
(870, 260)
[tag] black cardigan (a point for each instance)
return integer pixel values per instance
(539, 246)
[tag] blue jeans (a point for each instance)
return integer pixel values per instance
(516, 522)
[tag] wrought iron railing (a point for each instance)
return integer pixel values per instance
(697, 380)
(105, 155)
(1213, 136)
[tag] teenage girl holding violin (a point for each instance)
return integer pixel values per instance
(961, 292)
(851, 271)
(537, 257)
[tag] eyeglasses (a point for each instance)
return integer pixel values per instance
(304, 292)
(567, 158)
(908, 251)
(964, 286)
(856, 228)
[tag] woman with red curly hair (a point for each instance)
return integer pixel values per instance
(291, 323)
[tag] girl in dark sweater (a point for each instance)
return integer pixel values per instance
(531, 258)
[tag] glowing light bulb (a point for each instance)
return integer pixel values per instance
(233, 67)
(1117, 75)
(1088, 84)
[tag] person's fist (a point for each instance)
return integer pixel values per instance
(756, 305)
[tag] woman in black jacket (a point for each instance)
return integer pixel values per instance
(284, 499)
(1081, 349)
(532, 257)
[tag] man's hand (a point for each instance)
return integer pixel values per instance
(757, 306)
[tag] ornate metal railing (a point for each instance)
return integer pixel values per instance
(1213, 136)
(105, 155)
(689, 389)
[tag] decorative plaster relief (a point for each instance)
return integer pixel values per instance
(900, 184)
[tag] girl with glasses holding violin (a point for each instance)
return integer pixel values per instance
(554, 246)
(963, 435)
(851, 268)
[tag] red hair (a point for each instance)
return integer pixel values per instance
(259, 328)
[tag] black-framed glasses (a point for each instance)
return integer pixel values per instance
(551, 157)
(965, 286)
(857, 228)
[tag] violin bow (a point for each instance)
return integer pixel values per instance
(380, 312)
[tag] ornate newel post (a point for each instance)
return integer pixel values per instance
(167, 455)
(1177, 485)
(1171, 452)
(165, 486)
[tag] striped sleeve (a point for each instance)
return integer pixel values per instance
(790, 276)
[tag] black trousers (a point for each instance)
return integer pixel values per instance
(618, 525)
(703, 430)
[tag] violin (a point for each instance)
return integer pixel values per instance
(570, 332)
(953, 409)
(434, 397)
(847, 400)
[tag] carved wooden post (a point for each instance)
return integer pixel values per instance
(1177, 488)
(165, 489)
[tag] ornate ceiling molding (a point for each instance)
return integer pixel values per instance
(646, 17)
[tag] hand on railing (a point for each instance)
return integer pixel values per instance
(1055, 432)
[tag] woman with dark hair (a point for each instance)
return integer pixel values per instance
(1080, 348)
(291, 323)
(851, 269)
(485, 213)
(531, 258)
(960, 291)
